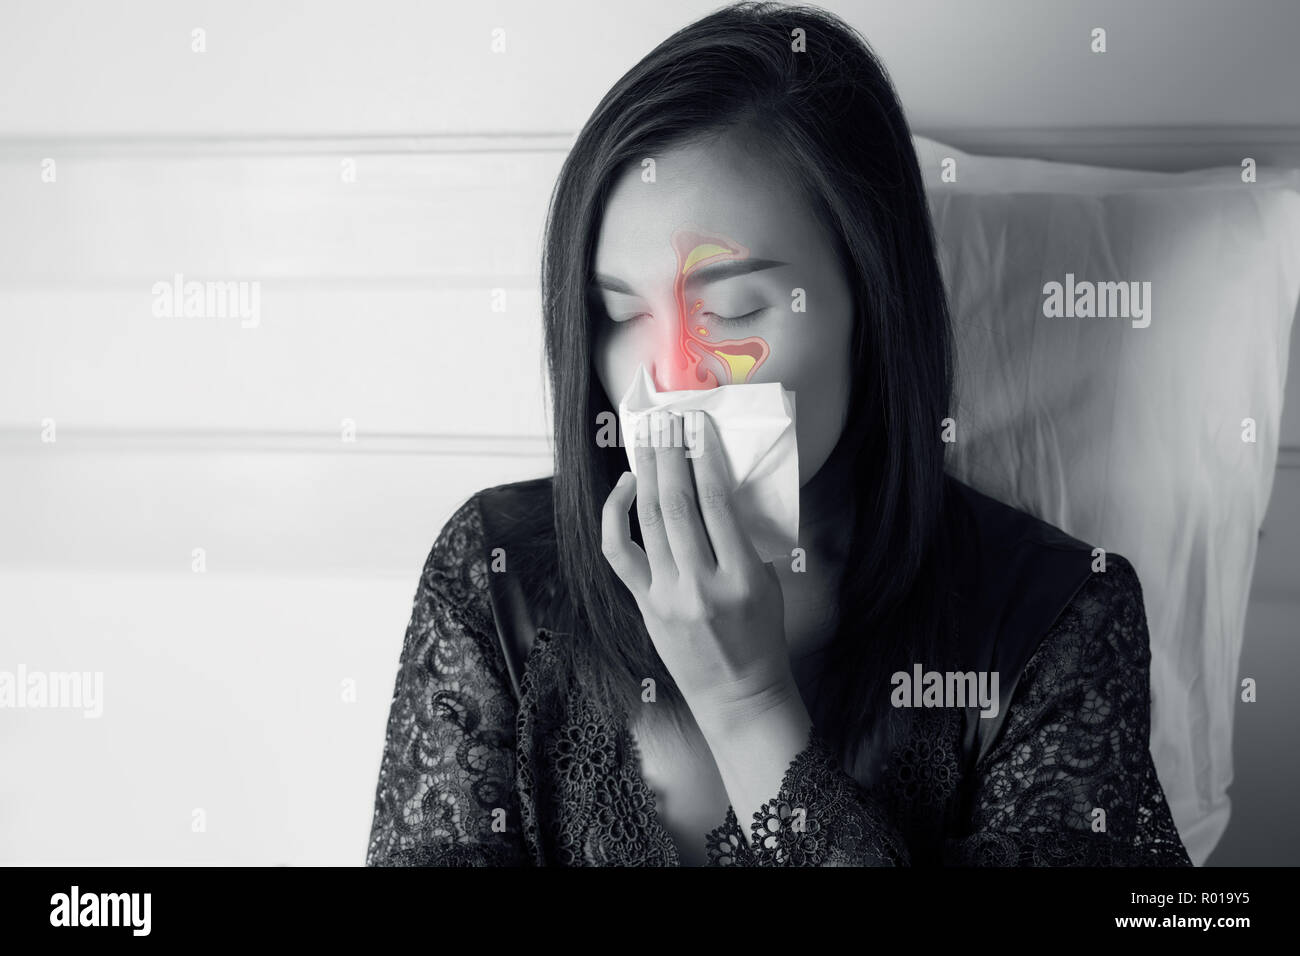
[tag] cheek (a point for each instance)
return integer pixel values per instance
(819, 375)
(614, 360)
(820, 409)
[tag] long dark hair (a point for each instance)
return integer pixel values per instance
(829, 119)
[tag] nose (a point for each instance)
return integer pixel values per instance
(665, 359)
(673, 365)
(671, 371)
(668, 377)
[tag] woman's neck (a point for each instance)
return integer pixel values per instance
(811, 589)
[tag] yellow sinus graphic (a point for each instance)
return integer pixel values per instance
(697, 363)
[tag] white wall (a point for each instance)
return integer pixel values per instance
(399, 66)
(222, 690)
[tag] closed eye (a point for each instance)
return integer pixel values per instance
(721, 319)
(739, 318)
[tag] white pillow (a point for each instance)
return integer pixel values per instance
(1127, 437)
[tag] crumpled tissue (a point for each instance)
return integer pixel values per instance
(756, 424)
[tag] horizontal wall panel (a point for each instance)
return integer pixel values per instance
(472, 217)
(393, 358)
(250, 511)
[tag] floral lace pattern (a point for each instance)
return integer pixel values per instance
(473, 776)
(821, 817)
(1071, 782)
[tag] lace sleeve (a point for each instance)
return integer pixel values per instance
(820, 817)
(445, 795)
(1070, 781)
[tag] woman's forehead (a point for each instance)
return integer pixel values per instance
(692, 188)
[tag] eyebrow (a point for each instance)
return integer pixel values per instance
(726, 269)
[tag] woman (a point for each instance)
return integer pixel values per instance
(745, 206)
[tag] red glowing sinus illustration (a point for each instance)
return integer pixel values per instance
(697, 362)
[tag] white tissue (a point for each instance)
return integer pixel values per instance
(756, 424)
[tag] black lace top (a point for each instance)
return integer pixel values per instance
(472, 776)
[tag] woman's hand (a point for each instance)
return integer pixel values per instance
(713, 609)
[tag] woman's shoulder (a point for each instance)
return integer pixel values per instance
(495, 560)
(1027, 591)
(517, 504)
(1000, 527)
(517, 523)
(491, 518)
(1013, 572)
(1093, 665)
(482, 536)
(1011, 557)
(1103, 629)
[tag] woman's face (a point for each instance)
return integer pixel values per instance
(716, 273)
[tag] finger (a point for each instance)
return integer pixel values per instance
(686, 534)
(627, 560)
(713, 488)
(653, 534)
